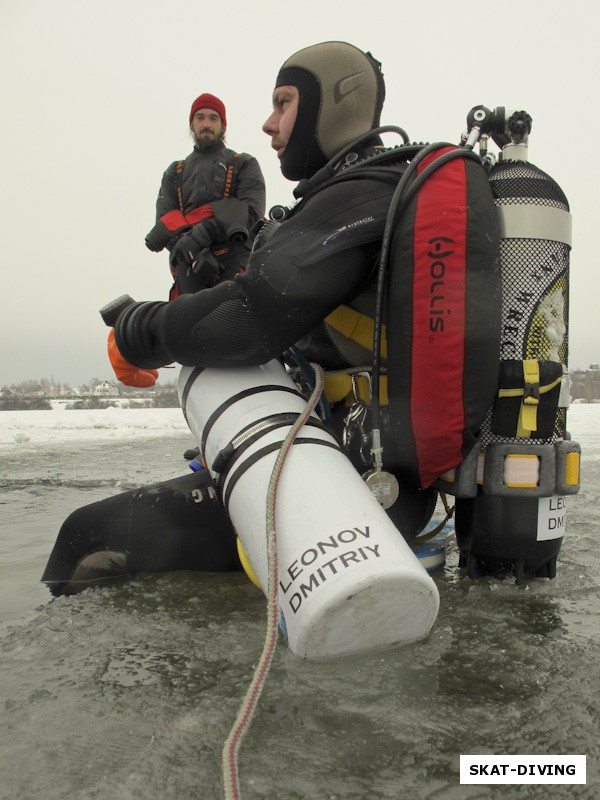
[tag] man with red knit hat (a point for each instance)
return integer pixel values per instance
(208, 204)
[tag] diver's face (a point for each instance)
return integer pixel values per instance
(280, 124)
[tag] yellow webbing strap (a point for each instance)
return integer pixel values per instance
(527, 422)
(357, 327)
(528, 413)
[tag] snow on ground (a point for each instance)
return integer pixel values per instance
(20, 428)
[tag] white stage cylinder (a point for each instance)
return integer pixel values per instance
(348, 582)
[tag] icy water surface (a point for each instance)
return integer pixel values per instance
(129, 691)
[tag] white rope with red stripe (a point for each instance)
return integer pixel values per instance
(248, 707)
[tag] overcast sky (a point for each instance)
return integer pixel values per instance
(95, 103)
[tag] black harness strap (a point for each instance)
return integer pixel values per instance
(230, 179)
(179, 184)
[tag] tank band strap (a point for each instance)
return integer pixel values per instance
(527, 221)
(243, 467)
(251, 433)
(235, 399)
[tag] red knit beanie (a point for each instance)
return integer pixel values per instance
(209, 101)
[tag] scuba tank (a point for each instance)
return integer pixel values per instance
(347, 582)
(512, 488)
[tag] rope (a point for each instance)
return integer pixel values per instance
(250, 701)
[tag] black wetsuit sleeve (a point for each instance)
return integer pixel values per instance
(321, 257)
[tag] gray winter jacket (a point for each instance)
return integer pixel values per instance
(232, 183)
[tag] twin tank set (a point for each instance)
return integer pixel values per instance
(511, 490)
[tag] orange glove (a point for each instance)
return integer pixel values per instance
(126, 372)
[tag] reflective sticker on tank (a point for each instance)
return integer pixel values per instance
(552, 513)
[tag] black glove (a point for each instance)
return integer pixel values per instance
(206, 268)
(158, 238)
(188, 246)
(184, 252)
(134, 337)
(168, 227)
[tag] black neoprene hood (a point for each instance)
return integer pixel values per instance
(341, 95)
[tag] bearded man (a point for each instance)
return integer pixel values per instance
(207, 205)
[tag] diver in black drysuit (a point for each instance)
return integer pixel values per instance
(323, 255)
